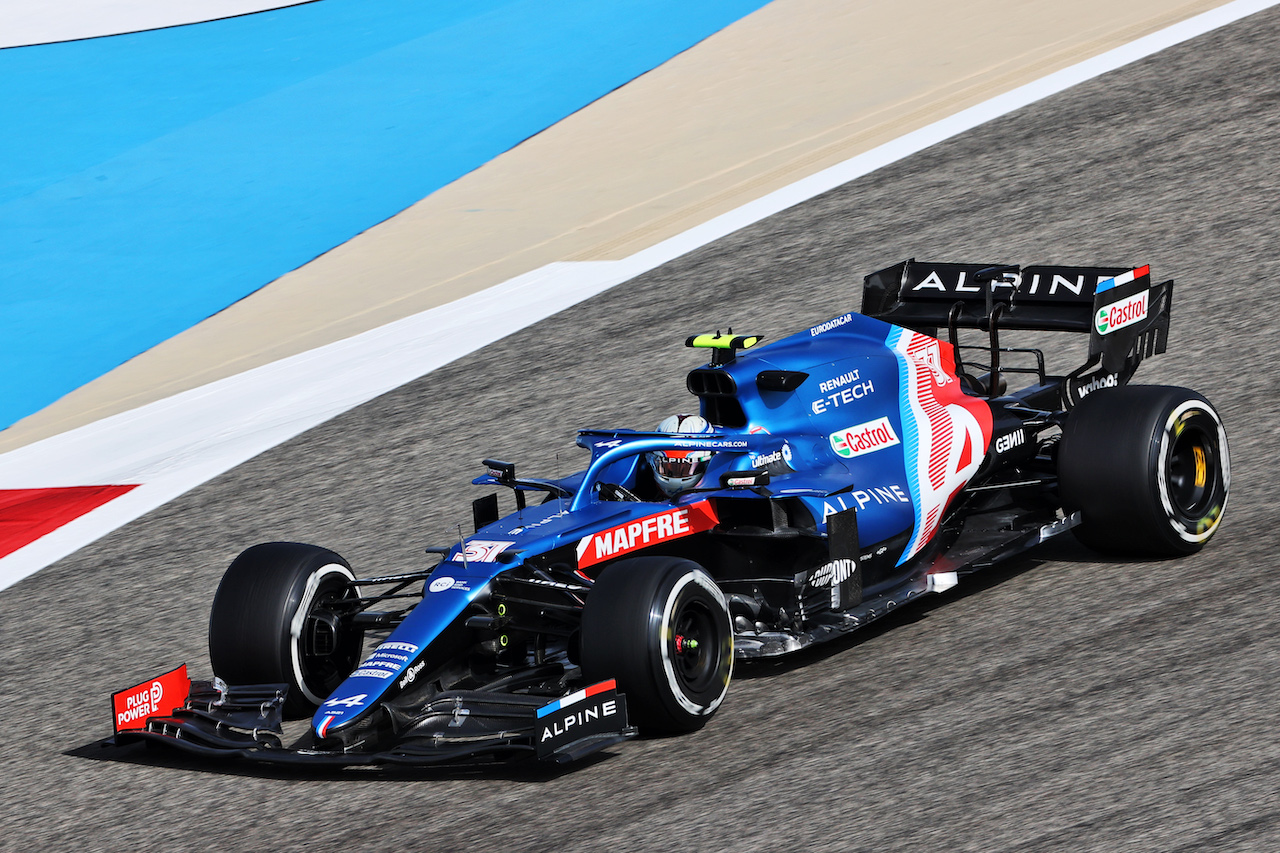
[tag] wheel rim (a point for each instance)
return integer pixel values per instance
(694, 647)
(328, 650)
(324, 651)
(1194, 472)
(1191, 468)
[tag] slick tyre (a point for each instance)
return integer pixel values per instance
(277, 618)
(1148, 468)
(661, 627)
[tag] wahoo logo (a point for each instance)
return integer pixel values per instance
(662, 527)
(1126, 312)
(1108, 380)
(863, 438)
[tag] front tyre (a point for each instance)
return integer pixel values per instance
(1148, 468)
(278, 617)
(661, 627)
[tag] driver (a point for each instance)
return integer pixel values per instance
(677, 470)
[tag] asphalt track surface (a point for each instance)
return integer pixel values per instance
(1065, 703)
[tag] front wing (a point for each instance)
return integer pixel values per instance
(244, 721)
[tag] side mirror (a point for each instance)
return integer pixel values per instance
(503, 472)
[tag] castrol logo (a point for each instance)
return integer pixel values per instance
(1126, 312)
(863, 438)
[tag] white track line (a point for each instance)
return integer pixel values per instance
(29, 23)
(176, 444)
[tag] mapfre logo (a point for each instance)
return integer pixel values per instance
(1126, 312)
(864, 438)
(662, 527)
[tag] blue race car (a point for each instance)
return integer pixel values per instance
(826, 479)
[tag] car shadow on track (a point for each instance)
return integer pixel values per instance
(146, 755)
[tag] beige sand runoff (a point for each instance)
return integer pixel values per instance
(794, 88)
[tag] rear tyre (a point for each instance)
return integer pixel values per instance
(1148, 468)
(661, 627)
(277, 617)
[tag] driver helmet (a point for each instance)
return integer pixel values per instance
(677, 470)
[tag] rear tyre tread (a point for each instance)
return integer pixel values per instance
(1148, 468)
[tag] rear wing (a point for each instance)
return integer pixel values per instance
(1126, 317)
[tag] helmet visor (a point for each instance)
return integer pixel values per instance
(675, 464)
(680, 468)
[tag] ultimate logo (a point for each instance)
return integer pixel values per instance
(778, 462)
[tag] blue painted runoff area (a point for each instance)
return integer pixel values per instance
(149, 180)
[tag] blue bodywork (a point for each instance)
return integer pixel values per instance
(849, 469)
(842, 425)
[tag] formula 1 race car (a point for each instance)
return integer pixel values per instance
(827, 479)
